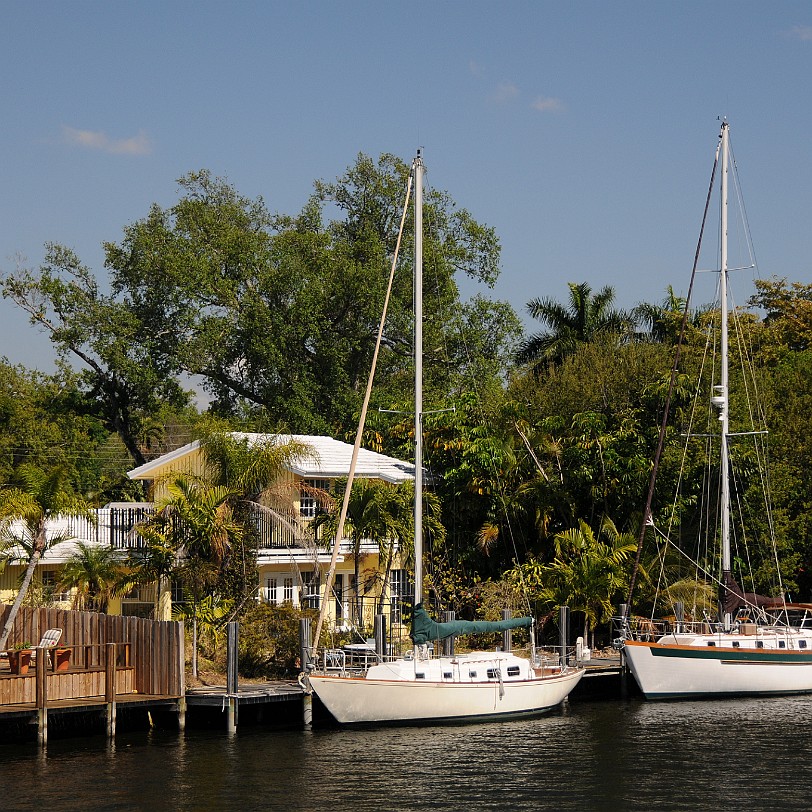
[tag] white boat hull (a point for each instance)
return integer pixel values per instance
(362, 700)
(669, 671)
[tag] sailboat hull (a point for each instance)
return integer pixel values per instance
(369, 701)
(665, 671)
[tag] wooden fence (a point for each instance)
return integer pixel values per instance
(156, 646)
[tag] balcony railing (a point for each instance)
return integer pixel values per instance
(116, 527)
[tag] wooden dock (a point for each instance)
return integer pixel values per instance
(102, 662)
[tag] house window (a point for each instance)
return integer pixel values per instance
(310, 590)
(338, 594)
(177, 592)
(50, 587)
(270, 591)
(400, 588)
(400, 584)
(287, 590)
(309, 502)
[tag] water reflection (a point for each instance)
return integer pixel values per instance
(626, 755)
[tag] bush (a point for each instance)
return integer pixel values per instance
(269, 640)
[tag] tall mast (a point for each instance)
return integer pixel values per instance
(418, 169)
(723, 388)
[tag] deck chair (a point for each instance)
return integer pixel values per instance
(49, 639)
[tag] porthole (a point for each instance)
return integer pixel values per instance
(493, 673)
(513, 671)
(711, 643)
(447, 675)
(419, 675)
(736, 644)
(472, 674)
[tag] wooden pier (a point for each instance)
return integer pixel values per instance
(102, 663)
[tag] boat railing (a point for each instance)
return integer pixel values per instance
(647, 629)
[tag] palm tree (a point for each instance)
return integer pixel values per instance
(195, 524)
(28, 507)
(95, 573)
(588, 570)
(585, 318)
(367, 519)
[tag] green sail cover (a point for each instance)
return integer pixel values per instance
(425, 629)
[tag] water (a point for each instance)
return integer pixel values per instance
(629, 755)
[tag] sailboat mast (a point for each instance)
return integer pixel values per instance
(418, 169)
(723, 417)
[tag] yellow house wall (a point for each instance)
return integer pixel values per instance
(369, 564)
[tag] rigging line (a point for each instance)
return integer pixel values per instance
(362, 420)
(667, 407)
(741, 207)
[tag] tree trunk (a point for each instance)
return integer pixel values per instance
(18, 601)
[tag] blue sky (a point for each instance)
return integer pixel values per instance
(583, 132)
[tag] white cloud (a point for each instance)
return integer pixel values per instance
(547, 104)
(802, 32)
(505, 92)
(91, 139)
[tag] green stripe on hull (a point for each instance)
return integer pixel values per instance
(761, 656)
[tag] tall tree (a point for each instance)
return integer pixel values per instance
(129, 358)
(272, 312)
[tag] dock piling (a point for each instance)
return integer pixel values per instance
(232, 682)
(42, 697)
(110, 687)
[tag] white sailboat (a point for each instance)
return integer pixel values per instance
(758, 645)
(420, 687)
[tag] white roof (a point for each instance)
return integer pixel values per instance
(330, 459)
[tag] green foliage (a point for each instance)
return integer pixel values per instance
(39, 495)
(95, 573)
(269, 640)
(589, 572)
(585, 318)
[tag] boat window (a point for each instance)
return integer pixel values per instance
(493, 673)
(782, 644)
(736, 644)
(419, 675)
(513, 671)
(472, 674)
(802, 644)
(711, 642)
(447, 675)
(759, 644)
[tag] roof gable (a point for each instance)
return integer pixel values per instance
(330, 459)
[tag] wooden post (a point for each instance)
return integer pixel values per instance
(305, 661)
(448, 643)
(110, 687)
(380, 636)
(42, 697)
(679, 616)
(507, 635)
(181, 637)
(232, 685)
(564, 632)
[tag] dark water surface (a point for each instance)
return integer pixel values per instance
(625, 755)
